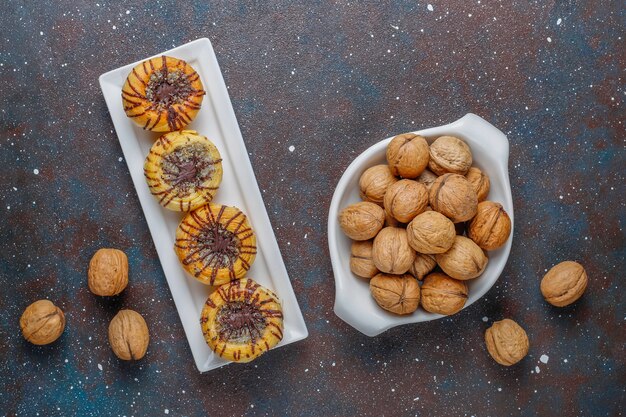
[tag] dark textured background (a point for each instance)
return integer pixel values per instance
(330, 79)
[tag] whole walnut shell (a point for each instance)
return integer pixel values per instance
(422, 265)
(362, 221)
(506, 342)
(108, 272)
(407, 155)
(42, 322)
(449, 154)
(427, 178)
(453, 196)
(480, 182)
(564, 283)
(391, 251)
(405, 199)
(128, 335)
(361, 263)
(464, 260)
(399, 294)
(431, 232)
(442, 294)
(374, 183)
(491, 226)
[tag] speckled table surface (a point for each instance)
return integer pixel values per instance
(312, 86)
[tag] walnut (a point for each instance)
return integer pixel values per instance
(391, 251)
(42, 322)
(390, 220)
(407, 155)
(449, 154)
(422, 265)
(442, 294)
(108, 272)
(374, 183)
(507, 342)
(464, 260)
(399, 294)
(128, 335)
(453, 196)
(564, 283)
(491, 226)
(361, 221)
(405, 199)
(431, 232)
(427, 178)
(361, 263)
(480, 182)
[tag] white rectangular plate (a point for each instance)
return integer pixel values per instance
(217, 121)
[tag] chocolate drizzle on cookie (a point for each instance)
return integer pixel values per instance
(183, 170)
(216, 246)
(241, 320)
(152, 91)
(187, 167)
(167, 88)
(212, 245)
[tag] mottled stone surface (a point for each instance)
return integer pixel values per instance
(312, 86)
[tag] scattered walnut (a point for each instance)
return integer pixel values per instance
(374, 183)
(361, 221)
(427, 178)
(442, 294)
(407, 155)
(564, 283)
(399, 294)
(42, 322)
(507, 342)
(464, 260)
(361, 262)
(491, 226)
(108, 272)
(449, 154)
(391, 251)
(431, 232)
(128, 335)
(405, 199)
(453, 196)
(422, 265)
(480, 182)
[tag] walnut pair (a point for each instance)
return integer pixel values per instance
(564, 283)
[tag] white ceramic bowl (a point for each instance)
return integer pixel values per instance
(353, 302)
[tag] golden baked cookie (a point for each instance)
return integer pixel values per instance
(242, 320)
(162, 94)
(183, 170)
(215, 244)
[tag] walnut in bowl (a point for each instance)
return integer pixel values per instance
(453, 196)
(407, 155)
(449, 154)
(405, 199)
